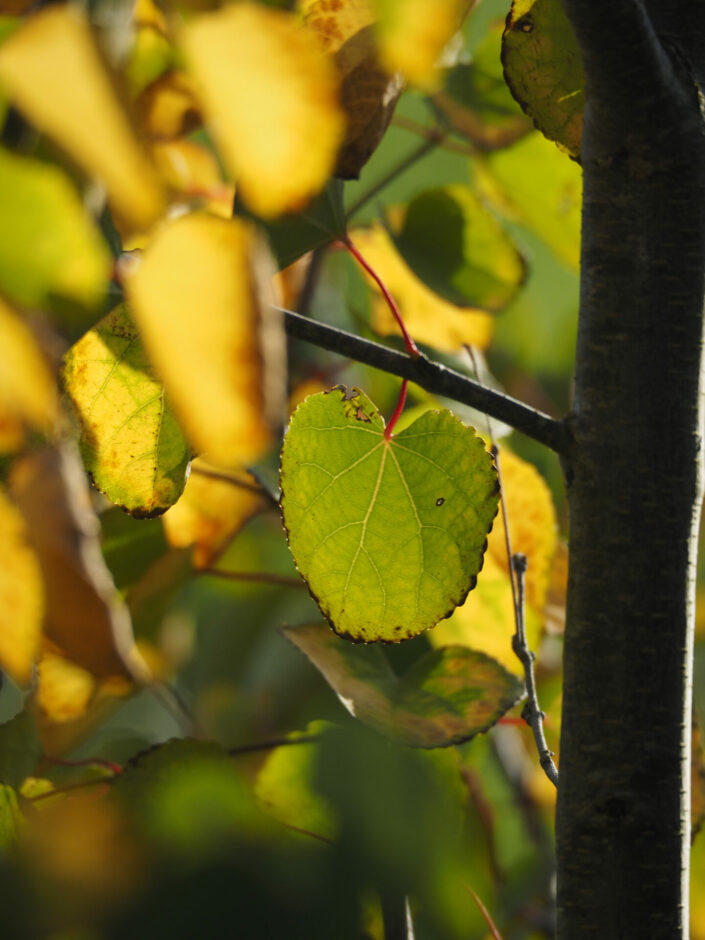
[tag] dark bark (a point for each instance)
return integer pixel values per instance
(634, 481)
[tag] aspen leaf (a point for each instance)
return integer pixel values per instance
(459, 249)
(368, 92)
(167, 108)
(270, 96)
(51, 255)
(21, 595)
(412, 34)
(130, 441)
(85, 618)
(428, 317)
(198, 298)
(544, 70)
(388, 534)
(448, 696)
(214, 507)
(27, 389)
(64, 690)
(532, 183)
(53, 72)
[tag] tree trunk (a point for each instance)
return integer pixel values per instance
(635, 488)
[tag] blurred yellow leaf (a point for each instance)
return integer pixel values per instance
(21, 595)
(213, 508)
(85, 618)
(167, 108)
(486, 620)
(131, 443)
(369, 92)
(428, 317)
(27, 390)
(271, 98)
(52, 256)
(64, 690)
(532, 525)
(412, 34)
(53, 72)
(197, 296)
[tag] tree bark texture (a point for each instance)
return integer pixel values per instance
(634, 483)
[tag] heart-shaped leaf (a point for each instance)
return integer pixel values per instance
(448, 696)
(389, 534)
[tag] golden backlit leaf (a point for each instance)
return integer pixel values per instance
(191, 169)
(270, 96)
(21, 595)
(64, 690)
(412, 34)
(27, 389)
(197, 296)
(369, 92)
(131, 443)
(52, 70)
(532, 525)
(213, 508)
(167, 108)
(428, 317)
(85, 619)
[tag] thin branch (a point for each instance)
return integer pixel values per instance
(433, 377)
(485, 913)
(396, 916)
(432, 133)
(531, 712)
(429, 144)
(274, 743)
(263, 577)
(223, 477)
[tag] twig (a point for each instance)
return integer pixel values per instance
(258, 576)
(396, 916)
(305, 297)
(429, 144)
(70, 787)
(432, 133)
(433, 377)
(270, 745)
(531, 712)
(222, 477)
(485, 913)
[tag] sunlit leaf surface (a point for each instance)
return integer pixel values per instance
(388, 534)
(130, 441)
(544, 69)
(429, 318)
(198, 299)
(51, 254)
(11, 818)
(459, 249)
(21, 595)
(27, 389)
(448, 696)
(270, 96)
(53, 72)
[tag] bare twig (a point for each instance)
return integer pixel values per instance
(531, 712)
(263, 577)
(435, 378)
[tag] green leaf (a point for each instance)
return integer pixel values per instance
(285, 785)
(388, 534)
(19, 748)
(544, 70)
(291, 236)
(51, 255)
(532, 183)
(459, 249)
(11, 819)
(448, 696)
(130, 441)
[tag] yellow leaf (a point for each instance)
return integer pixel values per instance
(213, 508)
(532, 525)
(21, 595)
(369, 92)
(53, 72)
(413, 33)
(64, 690)
(27, 391)
(428, 317)
(197, 298)
(167, 108)
(270, 96)
(192, 169)
(85, 619)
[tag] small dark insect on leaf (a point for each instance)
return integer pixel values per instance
(525, 24)
(440, 500)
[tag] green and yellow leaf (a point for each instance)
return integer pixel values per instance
(131, 443)
(270, 96)
(389, 534)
